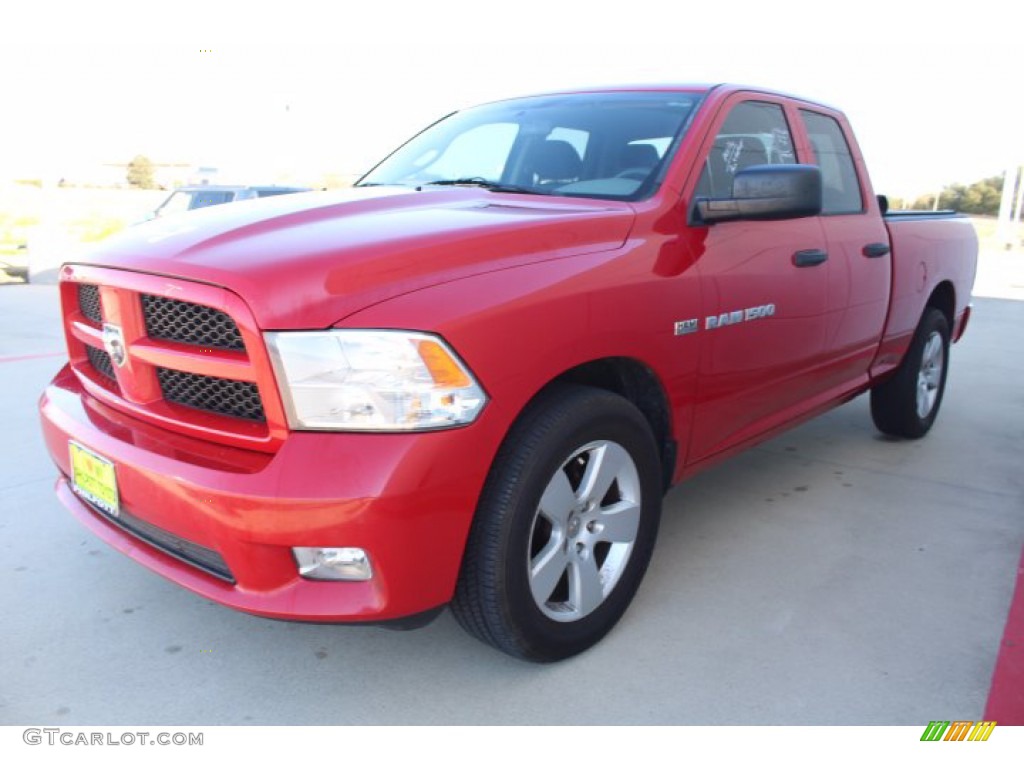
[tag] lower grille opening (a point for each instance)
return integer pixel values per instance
(227, 397)
(206, 560)
(101, 361)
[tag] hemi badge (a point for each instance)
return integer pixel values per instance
(684, 327)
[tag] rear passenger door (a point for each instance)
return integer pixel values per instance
(860, 269)
(764, 307)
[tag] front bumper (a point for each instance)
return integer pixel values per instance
(14, 268)
(190, 505)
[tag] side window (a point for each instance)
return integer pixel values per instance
(754, 133)
(840, 187)
(206, 199)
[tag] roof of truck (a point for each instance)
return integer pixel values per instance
(681, 87)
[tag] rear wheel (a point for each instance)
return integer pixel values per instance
(565, 527)
(906, 404)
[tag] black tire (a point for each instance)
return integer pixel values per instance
(906, 404)
(515, 548)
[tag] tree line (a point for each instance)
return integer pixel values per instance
(981, 198)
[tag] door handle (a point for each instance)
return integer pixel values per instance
(810, 258)
(875, 250)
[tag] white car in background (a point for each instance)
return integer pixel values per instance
(14, 263)
(205, 195)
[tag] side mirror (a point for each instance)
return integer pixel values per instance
(767, 192)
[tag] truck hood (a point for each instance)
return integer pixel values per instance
(309, 260)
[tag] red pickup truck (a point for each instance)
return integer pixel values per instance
(470, 379)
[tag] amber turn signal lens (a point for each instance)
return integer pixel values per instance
(443, 369)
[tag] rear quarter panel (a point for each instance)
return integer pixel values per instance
(927, 252)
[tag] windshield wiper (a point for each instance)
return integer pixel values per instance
(479, 181)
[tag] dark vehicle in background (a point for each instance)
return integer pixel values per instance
(205, 195)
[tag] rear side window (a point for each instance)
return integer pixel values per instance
(840, 187)
(754, 133)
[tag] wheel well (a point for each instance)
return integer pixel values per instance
(638, 384)
(943, 298)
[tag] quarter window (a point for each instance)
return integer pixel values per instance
(840, 187)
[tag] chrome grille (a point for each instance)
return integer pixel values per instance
(89, 302)
(188, 323)
(227, 397)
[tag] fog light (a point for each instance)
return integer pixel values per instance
(333, 563)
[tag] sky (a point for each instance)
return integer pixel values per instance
(331, 87)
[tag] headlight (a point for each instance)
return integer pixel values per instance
(372, 380)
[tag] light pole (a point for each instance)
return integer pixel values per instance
(1004, 232)
(1015, 226)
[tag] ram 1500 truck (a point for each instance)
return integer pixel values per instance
(470, 379)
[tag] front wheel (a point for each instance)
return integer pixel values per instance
(565, 526)
(906, 404)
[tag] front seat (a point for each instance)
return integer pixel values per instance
(553, 162)
(637, 161)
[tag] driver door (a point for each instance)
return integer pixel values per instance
(764, 287)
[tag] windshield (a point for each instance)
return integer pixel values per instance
(603, 145)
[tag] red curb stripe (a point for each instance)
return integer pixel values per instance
(18, 358)
(1006, 696)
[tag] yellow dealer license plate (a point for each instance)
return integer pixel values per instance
(93, 478)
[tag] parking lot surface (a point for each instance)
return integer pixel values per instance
(829, 576)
